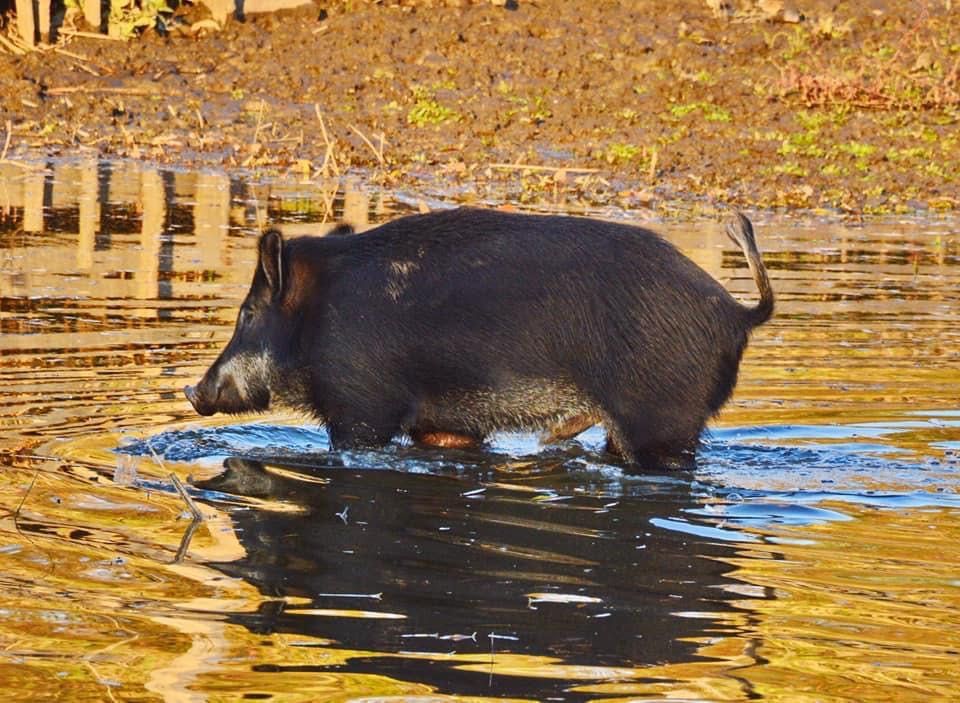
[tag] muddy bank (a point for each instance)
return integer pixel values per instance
(852, 108)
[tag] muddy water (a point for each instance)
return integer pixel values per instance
(814, 555)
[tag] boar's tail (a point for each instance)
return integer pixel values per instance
(741, 232)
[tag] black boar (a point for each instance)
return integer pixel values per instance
(452, 325)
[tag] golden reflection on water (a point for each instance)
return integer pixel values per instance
(118, 283)
(81, 622)
(868, 609)
(860, 610)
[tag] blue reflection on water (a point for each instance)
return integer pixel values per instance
(748, 477)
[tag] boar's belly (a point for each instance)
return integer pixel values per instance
(525, 404)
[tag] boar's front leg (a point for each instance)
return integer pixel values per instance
(352, 432)
(360, 410)
(365, 421)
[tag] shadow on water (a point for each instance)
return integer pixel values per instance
(414, 556)
(498, 569)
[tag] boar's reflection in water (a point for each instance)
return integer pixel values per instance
(454, 565)
(453, 325)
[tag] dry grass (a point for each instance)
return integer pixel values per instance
(917, 73)
(868, 88)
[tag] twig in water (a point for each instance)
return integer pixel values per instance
(490, 680)
(181, 489)
(100, 680)
(494, 636)
(531, 167)
(375, 596)
(378, 154)
(261, 215)
(178, 484)
(191, 506)
(328, 194)
(156, 457)
(63, 90)
(256, 132)
(343, 515)
(16, 521)
(328, 158)
(185, 540)
(23, 499)
(6, 143)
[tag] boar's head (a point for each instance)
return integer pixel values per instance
(241, 378)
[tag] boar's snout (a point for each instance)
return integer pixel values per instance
(228, 388)
(197, 401)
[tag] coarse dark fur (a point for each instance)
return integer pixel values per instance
(472, 321)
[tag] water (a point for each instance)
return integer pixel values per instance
(813, 555)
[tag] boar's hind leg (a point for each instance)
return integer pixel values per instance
(666, 458)
(651, 444)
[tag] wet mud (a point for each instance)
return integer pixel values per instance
(849, 108)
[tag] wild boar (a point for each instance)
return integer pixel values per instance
(452, 325)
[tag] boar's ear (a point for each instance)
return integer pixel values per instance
(271, 260)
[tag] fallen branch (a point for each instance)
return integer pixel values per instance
(328, 158)
(178, 484)
(185, 541)
(11, 46)
(66, 89)
(378, 154)
(88, 35)
(6, 142)
(83, 67)
(256, 132)
(182, 490)
(80, 57)
(551, 169)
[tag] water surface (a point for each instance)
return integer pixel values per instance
(812, 556)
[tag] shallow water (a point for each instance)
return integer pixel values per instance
(812, 556)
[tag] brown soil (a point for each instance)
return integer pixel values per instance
(635, 104)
